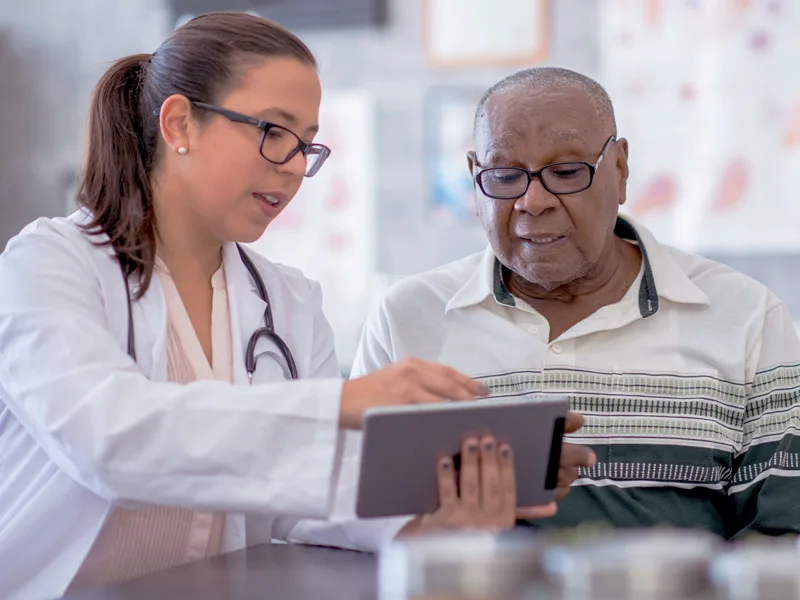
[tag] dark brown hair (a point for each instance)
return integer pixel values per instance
(202, 60)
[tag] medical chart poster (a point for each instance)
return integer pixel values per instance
(328, 230)
(708, 94)
(449, 113)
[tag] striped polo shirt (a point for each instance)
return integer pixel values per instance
(690, 384)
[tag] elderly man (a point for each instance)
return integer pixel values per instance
(687, 372)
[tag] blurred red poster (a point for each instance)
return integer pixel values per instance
(732, 186)
(659, 195)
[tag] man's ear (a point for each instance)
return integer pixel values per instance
(622, 169)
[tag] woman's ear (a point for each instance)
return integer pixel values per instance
(176, 123)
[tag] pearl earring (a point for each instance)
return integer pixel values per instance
(182, 151)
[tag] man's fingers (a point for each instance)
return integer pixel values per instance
(575, 455)
(562, 492)
(566, 475)
(537, 512)
(574, 422)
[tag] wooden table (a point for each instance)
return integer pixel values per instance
(270, 572)
(277, 572)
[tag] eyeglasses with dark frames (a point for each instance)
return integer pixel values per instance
(509, 183)
(278, 144)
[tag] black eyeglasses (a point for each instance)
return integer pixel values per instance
(509, 183)
(278, 145)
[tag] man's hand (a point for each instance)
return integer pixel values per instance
(572, 457)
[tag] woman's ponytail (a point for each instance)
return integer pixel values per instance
(115, 186)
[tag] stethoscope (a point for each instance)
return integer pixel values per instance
(267, 331)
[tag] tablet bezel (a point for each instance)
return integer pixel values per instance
(400, 448)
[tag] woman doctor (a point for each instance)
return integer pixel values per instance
(143, 415)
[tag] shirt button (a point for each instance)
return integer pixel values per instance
(557, 349)
(533, 329)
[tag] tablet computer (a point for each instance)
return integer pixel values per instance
(401, 447)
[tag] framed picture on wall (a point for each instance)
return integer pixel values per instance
(447, 122)
(480, 33)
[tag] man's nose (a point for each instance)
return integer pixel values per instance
(536, 200)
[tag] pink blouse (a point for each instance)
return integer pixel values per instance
(134, 543)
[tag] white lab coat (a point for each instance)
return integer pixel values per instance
(84, 428)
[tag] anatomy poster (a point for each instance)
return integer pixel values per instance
(449, 116)
(708, 94)
(328, 229)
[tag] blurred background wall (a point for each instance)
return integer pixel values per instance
(394, 198)
(51, 54)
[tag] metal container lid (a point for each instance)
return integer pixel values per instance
(758, 572)
(651, 563)
(459, 565)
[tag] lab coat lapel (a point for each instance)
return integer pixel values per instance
(150, 329)
(149, 315)
(247, 314)
(246, 308)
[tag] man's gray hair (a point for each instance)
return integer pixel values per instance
(549, 78)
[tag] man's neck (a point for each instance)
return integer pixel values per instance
(613, 275)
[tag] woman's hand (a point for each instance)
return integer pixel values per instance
(483, 496)
(410, 381)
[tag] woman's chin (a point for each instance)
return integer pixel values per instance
(250, 233)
